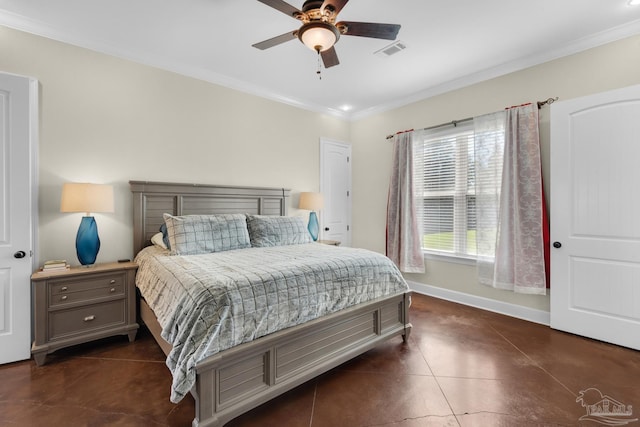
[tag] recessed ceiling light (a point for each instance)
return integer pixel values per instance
(346, 107)
(634, 3)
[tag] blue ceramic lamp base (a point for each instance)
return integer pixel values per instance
(87, 241)
(313, 226)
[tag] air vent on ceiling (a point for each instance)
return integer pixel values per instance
(391, 49)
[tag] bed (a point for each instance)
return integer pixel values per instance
(241, 375)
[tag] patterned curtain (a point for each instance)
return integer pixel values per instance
(509, 201)
(403, 231)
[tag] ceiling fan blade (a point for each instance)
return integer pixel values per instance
(282, 6)
(274, 41)
(329, 57)
(369, 29)
(336, 5)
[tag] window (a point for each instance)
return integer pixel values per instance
(444, 185)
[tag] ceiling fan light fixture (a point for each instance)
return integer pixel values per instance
(318, 36)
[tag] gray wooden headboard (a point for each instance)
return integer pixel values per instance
(152, 199)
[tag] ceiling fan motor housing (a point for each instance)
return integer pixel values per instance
(311, 4)
(312, 11)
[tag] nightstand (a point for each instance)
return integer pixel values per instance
(82, 304)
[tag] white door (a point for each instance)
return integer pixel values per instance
(595, 216)
(18, 127)
(335, 185)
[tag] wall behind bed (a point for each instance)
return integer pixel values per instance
(108, 120)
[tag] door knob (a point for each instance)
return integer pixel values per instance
(20, 254)
(557, 245)
(326, 229)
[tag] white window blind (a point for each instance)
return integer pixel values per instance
(444, 178)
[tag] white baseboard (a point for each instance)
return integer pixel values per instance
(508, 309)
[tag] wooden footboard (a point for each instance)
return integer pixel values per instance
(234, 381)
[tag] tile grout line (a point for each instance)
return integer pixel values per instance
(46, 401)
(313, 403)
(438, 383)
(537, 365)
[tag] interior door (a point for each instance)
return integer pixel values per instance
(335, 185)
(595, 216)
(18, 101)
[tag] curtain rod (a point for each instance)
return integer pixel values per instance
(455, 123)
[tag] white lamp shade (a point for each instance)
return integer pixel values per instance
(84, 197)
(318, 36)
(311, 201)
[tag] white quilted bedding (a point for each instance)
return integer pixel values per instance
(209, 303)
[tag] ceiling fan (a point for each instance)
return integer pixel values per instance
(320, 31)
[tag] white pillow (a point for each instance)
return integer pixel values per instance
(158, 241)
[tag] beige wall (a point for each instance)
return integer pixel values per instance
(607, 67)
(103, 119)
(107, 120)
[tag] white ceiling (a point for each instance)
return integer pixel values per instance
(450, 44)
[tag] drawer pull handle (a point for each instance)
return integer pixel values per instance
(89, 318)
(112, 290)
(112, 281)
(63, 297)
(64, 288)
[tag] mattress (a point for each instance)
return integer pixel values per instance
(211, 302)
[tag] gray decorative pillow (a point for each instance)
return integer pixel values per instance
(277, 230)
(201, 234)
(165, 235)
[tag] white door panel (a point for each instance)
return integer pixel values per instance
(18, 104)
(595, 211)
(335, 185)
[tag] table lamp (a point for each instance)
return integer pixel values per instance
(84, 197)
(312, 202)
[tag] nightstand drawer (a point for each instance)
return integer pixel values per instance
(66, 286)
(63, 323)
(86, 296)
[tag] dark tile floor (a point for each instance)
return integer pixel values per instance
(461, 367)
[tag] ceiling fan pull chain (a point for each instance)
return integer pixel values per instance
(319, 72)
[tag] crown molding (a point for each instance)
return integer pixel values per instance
(22, 23)
(576, 46)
